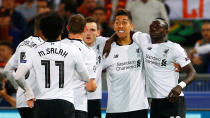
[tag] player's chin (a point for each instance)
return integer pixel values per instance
(88, 41)
(154, 36)
(121, 35)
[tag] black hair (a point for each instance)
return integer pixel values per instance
(206, 21)
(92, 20)
(123, 12)
(51, 25)
(37, 20)
(164, 21)
(6, 43)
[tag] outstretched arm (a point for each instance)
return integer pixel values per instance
(113, 38)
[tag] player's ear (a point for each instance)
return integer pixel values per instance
(132, 27)
(67, 27)
(98, 32)
(85, 29)
(166, 31)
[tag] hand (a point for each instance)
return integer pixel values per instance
(174, 94)
(91, 85)
(177, 67)
(30, 103)
(3, 92)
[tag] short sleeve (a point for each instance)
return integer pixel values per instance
(79, 61)
(181, 56)
(13, 61)
(100, 41)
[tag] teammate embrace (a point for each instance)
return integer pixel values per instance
(64, 73)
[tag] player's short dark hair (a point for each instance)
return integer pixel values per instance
(206, 21)
(162, 19)
(92, 20)
(37, 20)
(123, 12)
(6, 43)
(76, 24)
(100, 8)
(51, 25)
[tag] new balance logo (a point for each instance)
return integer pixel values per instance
(149, 48)
(164, 62)
(116, 56)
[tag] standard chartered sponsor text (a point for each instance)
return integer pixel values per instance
(127, 65)
(152, 60)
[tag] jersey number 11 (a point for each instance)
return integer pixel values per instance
(60, 64)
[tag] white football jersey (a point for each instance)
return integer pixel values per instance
(159, 64)
(89, 57)
(98, 48)
(55, 64)
(15, 60)
(125, 79)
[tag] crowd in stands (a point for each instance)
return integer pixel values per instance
(17, 23)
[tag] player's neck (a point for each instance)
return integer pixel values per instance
(124, 41)
(89, 44)
(75, 36)
(208, 40)
(59, 38)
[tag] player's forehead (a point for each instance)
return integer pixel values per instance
(4, 47)
(158, 23)
(122, 18)
(91, 25)
(206, 25)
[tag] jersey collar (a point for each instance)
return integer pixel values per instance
(122, 45)
(75, 39)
